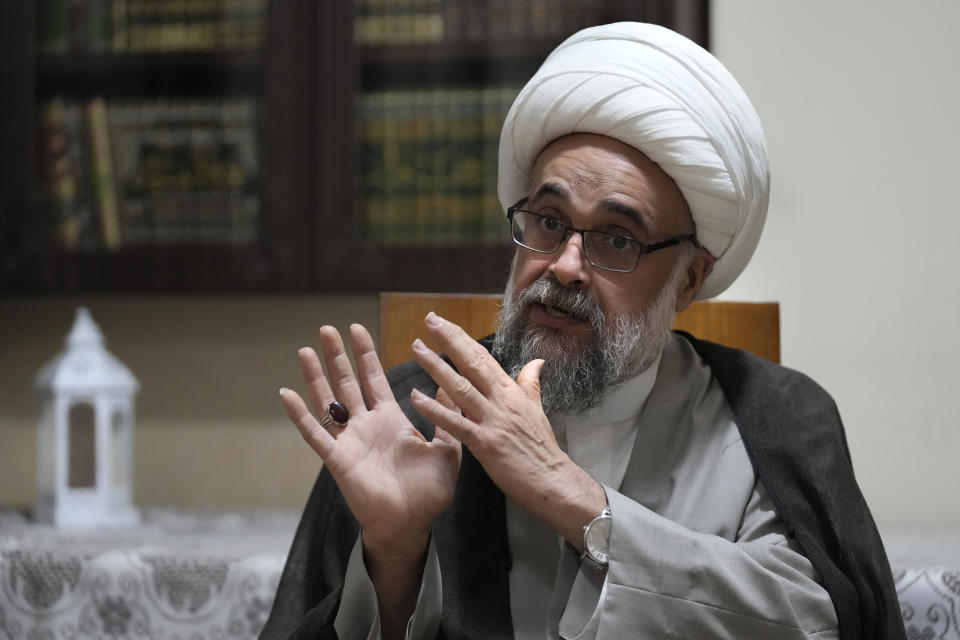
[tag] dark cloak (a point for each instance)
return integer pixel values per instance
(796, 442)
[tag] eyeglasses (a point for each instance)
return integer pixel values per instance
(609, 251)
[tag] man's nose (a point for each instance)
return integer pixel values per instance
(569, 265)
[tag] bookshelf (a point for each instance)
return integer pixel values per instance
(349, 144)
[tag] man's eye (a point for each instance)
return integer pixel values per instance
(620, 243)
(549, 224)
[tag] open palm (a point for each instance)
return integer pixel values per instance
(394, 481)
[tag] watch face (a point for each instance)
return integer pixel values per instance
(597, 539)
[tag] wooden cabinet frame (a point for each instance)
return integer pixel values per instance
(309, 76)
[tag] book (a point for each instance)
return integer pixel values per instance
(152, 26)
(399, 22)
(103, 188)
(96, 20)
(427, 166)
(118, 26)
(187, 171)
(53, 27)
(59, 175)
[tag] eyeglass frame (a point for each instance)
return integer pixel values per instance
(644, 249)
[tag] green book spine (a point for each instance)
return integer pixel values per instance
(53, 27)
(459, 167)
(405, 169)
(369, 134)
(81, 210)
(97, 23)
(59, 174)
(421, 133)
(439, 159)
(467, 170)
(490, 117)
(118, 26)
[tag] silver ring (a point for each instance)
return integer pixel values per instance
(336, 413)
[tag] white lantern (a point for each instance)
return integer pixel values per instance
(85, 434)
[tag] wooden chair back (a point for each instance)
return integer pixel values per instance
(753, 326)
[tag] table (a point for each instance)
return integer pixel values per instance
(212, 575)
(180, 575)
(926, 573)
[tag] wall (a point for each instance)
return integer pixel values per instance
(860, 104)
(210, 428)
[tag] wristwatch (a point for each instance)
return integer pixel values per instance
(596, 539)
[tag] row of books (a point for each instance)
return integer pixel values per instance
(393, 22)
(427, 166)
(148, 26)
(149, 172)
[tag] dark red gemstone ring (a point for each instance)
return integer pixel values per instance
(336, 412)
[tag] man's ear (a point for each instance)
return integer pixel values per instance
(698, 270)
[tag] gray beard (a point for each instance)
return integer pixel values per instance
(578, 373)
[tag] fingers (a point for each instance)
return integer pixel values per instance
(342, 379)
(469, 356)
(457, 388)
(529, 379)
(444, 398)
(372, 378)
(446, 440)
(317, 386)
(454, 423)
(318, 438)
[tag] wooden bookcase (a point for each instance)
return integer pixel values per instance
(308, 78)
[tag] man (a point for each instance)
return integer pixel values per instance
(589, 474)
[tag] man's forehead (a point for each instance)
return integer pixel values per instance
(621, 178)
(640, 215)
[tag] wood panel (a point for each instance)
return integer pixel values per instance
(401, 319)
(753, 326)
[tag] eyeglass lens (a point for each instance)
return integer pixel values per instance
(544, 234)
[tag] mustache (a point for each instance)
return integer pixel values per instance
(551, 293)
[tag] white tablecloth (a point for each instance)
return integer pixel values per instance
(199, 575)
(926, 570)
(181, 575)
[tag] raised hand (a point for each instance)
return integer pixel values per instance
(394, 481)
(503, 424)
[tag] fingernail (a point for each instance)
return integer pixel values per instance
(416, 394)
(419, 346)
(283, 390)
(433, 320)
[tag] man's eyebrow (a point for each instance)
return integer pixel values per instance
(623, 209)
(613, 206)
(550, 189)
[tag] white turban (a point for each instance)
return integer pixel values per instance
(661, 93)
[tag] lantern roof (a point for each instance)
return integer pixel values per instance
(85, 365)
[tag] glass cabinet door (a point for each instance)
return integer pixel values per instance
(268, 145)
(435, 79)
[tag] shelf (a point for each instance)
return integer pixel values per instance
(477, 268)
(452, 63)
(215, 73)
(156, 269)
(305, 82)
(495, 52)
